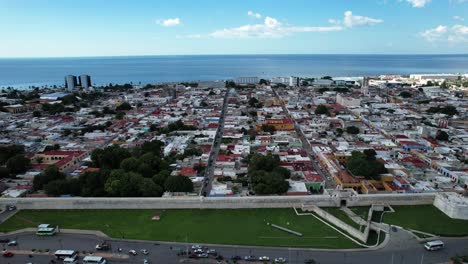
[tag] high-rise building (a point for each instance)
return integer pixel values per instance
(246, 80)
(294, 81)
(85, 81)
(70, 82)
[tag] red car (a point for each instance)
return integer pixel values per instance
(8, 254)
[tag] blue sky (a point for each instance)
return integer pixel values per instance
(64, 28)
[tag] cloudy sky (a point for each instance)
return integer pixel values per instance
(63, 28)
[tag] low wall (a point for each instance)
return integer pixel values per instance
(216, 202)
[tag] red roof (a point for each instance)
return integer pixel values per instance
(312, 176)
(188, 172)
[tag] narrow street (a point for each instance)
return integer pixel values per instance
(209, 172)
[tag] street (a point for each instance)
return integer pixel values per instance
(402, 248)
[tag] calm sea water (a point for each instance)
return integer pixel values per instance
(22, 73)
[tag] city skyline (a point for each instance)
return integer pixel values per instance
(87, 28)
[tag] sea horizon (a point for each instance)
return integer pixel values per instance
(24, 73)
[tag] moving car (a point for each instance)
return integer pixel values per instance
(211, 251)
(280, 260)
(202, 255)
(8, 254)
(11, 207)
(145, 261)
(144, 252)
(103, 246)
(132, 252)
(12, 243)
(4, 240)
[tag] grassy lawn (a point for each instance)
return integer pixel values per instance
(241, 227)
(362, 211)
(426, 218)
(341, 215)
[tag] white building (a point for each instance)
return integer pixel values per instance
(247, 80)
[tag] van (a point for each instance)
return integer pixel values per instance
(434, 245)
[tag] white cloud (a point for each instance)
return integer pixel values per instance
(334, 21)
(170, 22)
(454, 34)
(270, 28)
(434, 34)
(459, 18)
(253, 14)
(351, 20)
(418, 3)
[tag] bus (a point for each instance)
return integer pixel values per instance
(94, 260)
(64, 254)
(46, 230)
(434, 245)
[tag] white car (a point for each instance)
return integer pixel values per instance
(12, 243)
(145, 261)
(196, 247)
(144, 251)
(280, 260)
(264, 258)
(132, 252)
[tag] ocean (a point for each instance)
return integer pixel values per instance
(23, 73)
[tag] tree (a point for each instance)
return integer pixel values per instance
(18, 164)
(92, 183)
(123, 184)
(352, 130)
(339, 131)
(327, 78)
(51, 173)
(405, 94)
(9, 151)
(263, 81)
(263, 162)
(150, 189)
(178, 184)
(361, 165)
(4, 173)
(109, 157)
(442, 135)
(125, 106)
(37, 114)
(253, 101)
(130, 164)
(268, 128)
(120, 115)
(321, 110)
(161, 177)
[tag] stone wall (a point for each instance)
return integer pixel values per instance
(216, 202)
(453, 205)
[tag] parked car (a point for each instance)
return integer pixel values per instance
(250, 258)
(194, 256)
(8, 254)
(236, 258)
(211, 251)
(12, 243)
(264, 258)
(103, 246)
(132, 252)
(11, 207)
(144, 251)
(4, 240)
(196, 247)
(280, 260)
(202, 255)
(145, 261)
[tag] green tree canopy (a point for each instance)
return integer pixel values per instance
(178, 184)
(321, 110)
(18, 164)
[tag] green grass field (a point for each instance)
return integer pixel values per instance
(426, 218)
(362, 211)
(342, 216)
(240, 227)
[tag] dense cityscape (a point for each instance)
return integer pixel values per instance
(283, 137)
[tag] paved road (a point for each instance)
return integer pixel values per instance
(209, 173)
(307, 147)
(5, 214)
(402, 248)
